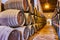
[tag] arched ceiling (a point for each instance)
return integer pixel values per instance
(52, 4)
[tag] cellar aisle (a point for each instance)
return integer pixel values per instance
(47, 33)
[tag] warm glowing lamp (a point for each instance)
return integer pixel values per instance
(47, 6)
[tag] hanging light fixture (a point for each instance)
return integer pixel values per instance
(46, 5)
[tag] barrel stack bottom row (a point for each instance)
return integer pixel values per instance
(13, 25)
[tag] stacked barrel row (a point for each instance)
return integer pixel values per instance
(17, 4)
(14, 19)
(40, 21)
(19, 16)
(7, 33)
(56, 22)
(20, 21)
(26, 6)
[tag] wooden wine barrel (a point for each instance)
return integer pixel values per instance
(31, 8)
(17, 4)
(40, 25)
(27, 18)
(38, 13)
(35, 28)
(40, 19)
(25, 32)
(12, 17)
(35, 11)
(31, 30)
(33, 19)
(7, 33)
(36, 19)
